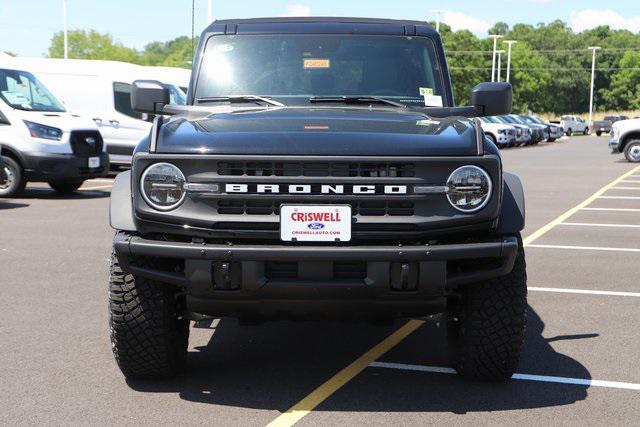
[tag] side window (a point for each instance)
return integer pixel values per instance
(122, 100)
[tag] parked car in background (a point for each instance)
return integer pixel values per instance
(535, 133)
(574, 124)
(625, 138)
(554, 131)
(604, 126)
(101, 90)
(499, 133)
(41, 141)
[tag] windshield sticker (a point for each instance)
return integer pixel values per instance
(432, 100)
(310, 63)
(426, 91)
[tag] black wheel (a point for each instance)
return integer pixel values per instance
(586, 131)
(486, 325)
(65, 187)
(598, 133)
(632, 151)
(149, 331)
(551, 139)
(14, 179)
(569, 133)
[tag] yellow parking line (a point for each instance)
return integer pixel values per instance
(320, 394)
(543, 230)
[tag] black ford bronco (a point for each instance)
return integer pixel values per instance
(320, 170)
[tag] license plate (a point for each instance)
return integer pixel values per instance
(94, 162)
(315, 223)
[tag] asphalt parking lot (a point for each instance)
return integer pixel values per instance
(580, 361)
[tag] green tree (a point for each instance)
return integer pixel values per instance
(174, 53)
(624, 91)
(91, 45)
(500, 28)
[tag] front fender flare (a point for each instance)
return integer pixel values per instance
(512, 215)
(121, 203)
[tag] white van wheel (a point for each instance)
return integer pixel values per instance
(15, 181)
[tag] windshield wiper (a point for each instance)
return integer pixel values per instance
(356, 100)
(240, 99)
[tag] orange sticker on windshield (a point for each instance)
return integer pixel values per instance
(317, 63)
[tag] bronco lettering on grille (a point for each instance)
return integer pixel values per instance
(319, 189)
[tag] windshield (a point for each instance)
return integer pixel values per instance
(21, 90)
(302, 66)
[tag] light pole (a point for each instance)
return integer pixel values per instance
(64, 30)
(499, 52)
(510, 43)
(495, 38)
(209, 12)
(593, 75)
(438, 12)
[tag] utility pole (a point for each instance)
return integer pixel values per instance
(510, 43)
(593, 75)
(66, 38)
(495, 38)
(499, 52)
(209, 12)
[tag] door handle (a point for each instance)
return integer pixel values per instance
(97, 120)
(114, 123)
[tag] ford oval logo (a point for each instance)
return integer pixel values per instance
(316, 226)
(90, 140)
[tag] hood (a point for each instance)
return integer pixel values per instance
(627, 124)
(318, 131)
(65, 121)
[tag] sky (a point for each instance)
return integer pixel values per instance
(26, 26)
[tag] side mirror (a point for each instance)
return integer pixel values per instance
(492, 99)
(149, 96)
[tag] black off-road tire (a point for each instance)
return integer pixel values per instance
(487, 325)
(14, 178)
(149, 330)
(65, 187)
(598, 133)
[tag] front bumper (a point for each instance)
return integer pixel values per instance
(59, 167)
(614, 146)
(325, 281)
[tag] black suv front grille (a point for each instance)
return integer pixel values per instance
(317, 169)
(272, 207)
(86, 143)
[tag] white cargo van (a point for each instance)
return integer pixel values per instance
(101, 90)
(40, 140)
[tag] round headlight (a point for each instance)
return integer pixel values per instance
(469, 188)
(162, 186)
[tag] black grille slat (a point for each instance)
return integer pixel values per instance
(317, 169)
(272, 207)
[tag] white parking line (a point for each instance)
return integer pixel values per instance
(620, 197)
(626, 188)
(521, 377)
(629, 181)
(611, 209)
(587, 224)
(111, 180)
(584, 248)
(99, 187)
(585, 292)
